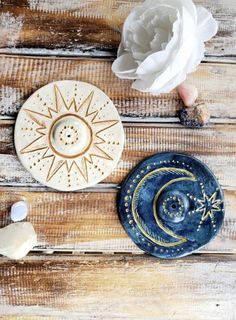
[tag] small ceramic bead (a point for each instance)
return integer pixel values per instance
(19, 211)
(197, 116)
(188, 93)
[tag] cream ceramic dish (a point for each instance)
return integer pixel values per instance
(69, 135)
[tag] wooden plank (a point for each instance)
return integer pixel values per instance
(27, 317)
(88, 221)
(19, 317)
(216, 146)
(21, 76)
(119, 287)
(75, 27)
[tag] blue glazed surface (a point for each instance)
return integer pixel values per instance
(171, 205)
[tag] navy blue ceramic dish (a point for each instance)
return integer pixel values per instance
(171, 205)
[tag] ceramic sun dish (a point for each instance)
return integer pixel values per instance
(171, 205)
(69, 135)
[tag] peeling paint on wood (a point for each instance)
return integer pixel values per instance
(10, 98)
(216, 146)
(119, 287)
(96, 24)
(88, 221)
(100, 286)
(10, 28)
(21, 76)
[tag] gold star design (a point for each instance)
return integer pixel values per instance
(208, 206)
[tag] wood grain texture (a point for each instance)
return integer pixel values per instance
(19, 317)
(119, 287)
(88, 221)
(126, 285)
(91, 27)
(21, 76)
(216, 146)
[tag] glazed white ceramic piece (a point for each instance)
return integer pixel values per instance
(69, 135)
(19, 211)
(17, 239)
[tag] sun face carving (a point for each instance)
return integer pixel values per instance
(77, 134)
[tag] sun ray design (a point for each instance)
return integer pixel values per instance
(51, 133)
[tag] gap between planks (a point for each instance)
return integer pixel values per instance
(95, 54)
(61, 252)
(143, 120)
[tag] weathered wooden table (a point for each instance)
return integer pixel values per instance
(85, 266)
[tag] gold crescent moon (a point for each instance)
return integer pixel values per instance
(189, 177)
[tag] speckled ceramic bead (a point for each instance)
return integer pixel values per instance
(19, 211)
(197, 116)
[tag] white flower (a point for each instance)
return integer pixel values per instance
(163, 41)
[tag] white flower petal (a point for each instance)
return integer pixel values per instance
(207, 26)
(188, 25)
(132, 17)
(153, 63)
(156, 61)
(173, 83)
(176, 64)
(160, 37)
(196, 57)
(162, 41)
(141, 36)
(121, 50)
(144, 86)
(176, 67)
(125, 67)
(178, 4)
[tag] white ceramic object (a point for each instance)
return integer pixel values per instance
(188, 93)
(19, 211)
(69, 135)
(17, 239)
(163, 41)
